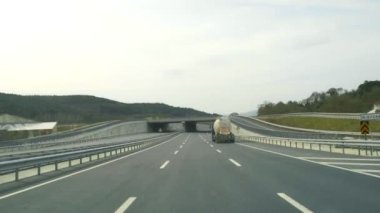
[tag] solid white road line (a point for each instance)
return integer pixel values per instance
(219, 151)
(310, 161)
(352, 164)
(125, 205)
(234, 162)
(342, 159)
(164, 165)
(367, 170)
(176, 152)
(81, 171)
(294, 203)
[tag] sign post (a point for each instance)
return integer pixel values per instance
(364, 128)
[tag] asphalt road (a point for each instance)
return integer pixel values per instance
(274, 131)
(191, 174)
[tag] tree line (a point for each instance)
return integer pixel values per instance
(86, 109)
(336, 100)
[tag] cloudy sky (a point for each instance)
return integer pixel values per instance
(216, 55)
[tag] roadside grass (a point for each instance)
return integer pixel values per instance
(332, 124)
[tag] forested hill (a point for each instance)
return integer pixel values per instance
(336, 100)
(86, 109)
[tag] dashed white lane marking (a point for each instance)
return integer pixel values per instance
(187, 139)
(125, 205)
(180, 147)
(234, 162)
(176, 152)
(84, 170)
(165, 164)
(294, 203)
(219, 151)
(212, 145)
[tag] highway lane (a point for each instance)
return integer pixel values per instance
(191, 174)
(321, 188)
(255, 124)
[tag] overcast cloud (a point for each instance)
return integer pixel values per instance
(217, 56)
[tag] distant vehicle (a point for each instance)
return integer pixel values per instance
(221, 131)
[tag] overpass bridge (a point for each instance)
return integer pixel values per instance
(189, 124)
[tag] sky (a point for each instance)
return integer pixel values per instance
(218, 56)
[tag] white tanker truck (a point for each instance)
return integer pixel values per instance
(221, 131)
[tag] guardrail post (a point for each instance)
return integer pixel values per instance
(16, 174)
(320, 147)
(330, 147)
(56, 165)
(38, 170)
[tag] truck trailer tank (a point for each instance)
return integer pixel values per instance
(221, 131)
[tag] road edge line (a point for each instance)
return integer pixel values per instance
(81, 171)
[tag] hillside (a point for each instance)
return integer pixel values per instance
(85, 109)
(335, 100)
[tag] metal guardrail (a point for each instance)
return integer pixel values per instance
(357, 147)
(17, 169)
(355, 116)
(286, 133)
(78, 146)
(40, 145)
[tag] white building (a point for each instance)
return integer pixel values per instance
(17, 127)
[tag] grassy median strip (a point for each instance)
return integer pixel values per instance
(332, 124)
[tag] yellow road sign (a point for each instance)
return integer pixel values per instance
(364, 127)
